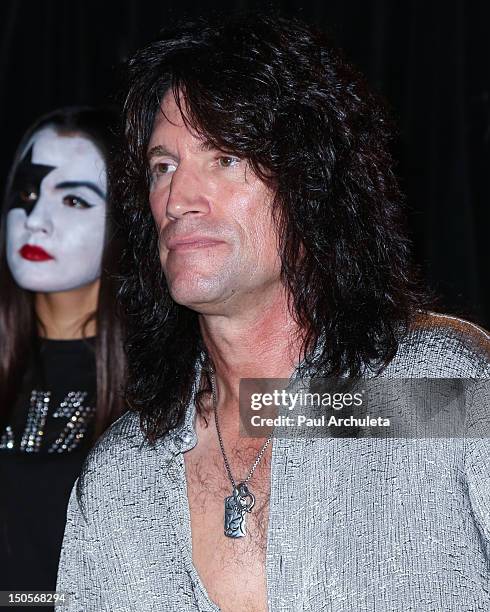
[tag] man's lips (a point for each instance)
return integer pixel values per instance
(34, 253)
(189, 243)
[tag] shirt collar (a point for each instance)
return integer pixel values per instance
(184, 437)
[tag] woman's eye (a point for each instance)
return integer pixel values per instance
(28, 195)
(226, 161)
(75, 202)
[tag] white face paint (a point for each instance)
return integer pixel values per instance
(56, 222)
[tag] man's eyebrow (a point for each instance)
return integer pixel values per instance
(75, 184)
(161, 151)
(206, 146)
(158, 151)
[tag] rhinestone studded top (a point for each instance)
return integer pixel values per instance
(51, 418)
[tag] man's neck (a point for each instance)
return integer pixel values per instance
(261, 343)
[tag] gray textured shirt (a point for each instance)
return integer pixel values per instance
(371, 524)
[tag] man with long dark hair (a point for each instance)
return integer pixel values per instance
(263, 218)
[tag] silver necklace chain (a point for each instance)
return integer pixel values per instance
(227, 465)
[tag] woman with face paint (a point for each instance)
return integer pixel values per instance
(61, 358)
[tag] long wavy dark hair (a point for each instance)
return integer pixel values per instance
(18, 321)
(275, 92)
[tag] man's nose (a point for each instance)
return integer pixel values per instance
(187, 195)
(39, 219)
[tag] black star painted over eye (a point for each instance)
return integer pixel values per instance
(26, 184)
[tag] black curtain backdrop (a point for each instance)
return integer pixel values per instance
(430, 59)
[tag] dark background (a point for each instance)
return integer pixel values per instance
(430, 59)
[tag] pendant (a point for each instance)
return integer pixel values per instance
(236, 506)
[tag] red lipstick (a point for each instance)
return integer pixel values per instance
(34, 253)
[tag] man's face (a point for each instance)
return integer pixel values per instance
(218, 244)
(56, 221)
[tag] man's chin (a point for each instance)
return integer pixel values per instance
(203, 299)
(190, 296)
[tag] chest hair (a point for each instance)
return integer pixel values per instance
(208, 485)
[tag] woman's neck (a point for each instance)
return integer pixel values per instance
(63, 314)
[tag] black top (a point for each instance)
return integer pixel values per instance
(41, 454)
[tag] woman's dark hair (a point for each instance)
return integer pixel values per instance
(274, 92)
(18, 321)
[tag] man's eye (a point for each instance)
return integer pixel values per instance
(162, 168)
(28, 195)
(226, 161)
(75, 202)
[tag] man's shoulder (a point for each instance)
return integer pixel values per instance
(442, 346)
(120, 457)
(124, 435)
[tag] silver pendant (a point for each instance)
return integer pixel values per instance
(236, 506)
